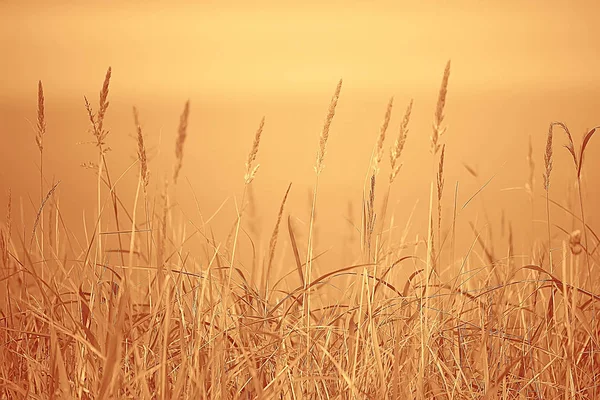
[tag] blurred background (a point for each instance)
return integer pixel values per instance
(516, 66)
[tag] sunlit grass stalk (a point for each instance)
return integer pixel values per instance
(39, 139)
(272, 246)
(251, 171)
(100, 134)
(319, 165)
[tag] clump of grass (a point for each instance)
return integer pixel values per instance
(197, 327)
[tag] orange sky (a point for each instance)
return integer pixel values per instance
(234, 48)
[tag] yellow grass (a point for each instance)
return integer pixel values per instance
(152, 323)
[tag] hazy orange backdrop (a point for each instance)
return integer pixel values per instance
(516, 66)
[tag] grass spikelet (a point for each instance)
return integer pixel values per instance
(440, 189)
(325, 132)
(39, 140)
(370, 215)
(181, 135)
(41, 119)
(103, 105)
(548, 159)
(396, 150)
(145, 173)
(97, 120)
(381, 137)
(251, 171)
(273, 241)
(438, 131)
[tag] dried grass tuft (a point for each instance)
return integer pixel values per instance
(325, 132)
(548, 159)
(104, 99)
(97, 120)
(396, 150)
(440, 189)
(181, 136)
(145, 173)
(381, 137)
(250, 170)
(438, 131)
(41, 119)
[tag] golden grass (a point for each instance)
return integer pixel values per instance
(251, 170)
(438, 131)
(144, 171)
(396, 150)
(325, 132)
(163, 320)
(181, 136)
(381, 138)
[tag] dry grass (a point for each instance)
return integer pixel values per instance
(251, 170)
(166, 321)
(396, 150)
(144, 171)
(181, 136)
(325, 132)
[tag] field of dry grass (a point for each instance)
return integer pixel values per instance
(128, 311)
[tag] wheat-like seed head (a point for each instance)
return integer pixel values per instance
(141, 149)
(97, 120)
(371, 206)
(439, 112)
(41, 124)
(548, 159)
(381, 137)
(396, 150)
(325, 132)
(440, 176)
(104, 100)
(181, 136)
(440, 187)
(251, 171)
